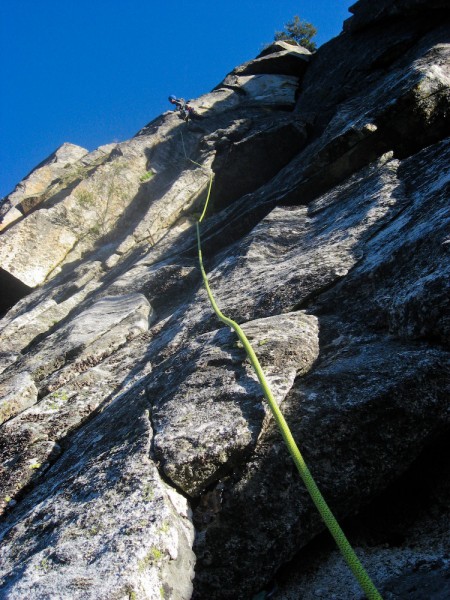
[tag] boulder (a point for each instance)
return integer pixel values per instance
(283, 46)
(271, 89)
(281, 58)
(203, 431)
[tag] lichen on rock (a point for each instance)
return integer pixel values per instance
(138, 454)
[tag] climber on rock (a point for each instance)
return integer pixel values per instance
(182, 106)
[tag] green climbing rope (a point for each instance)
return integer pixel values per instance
(343, 544)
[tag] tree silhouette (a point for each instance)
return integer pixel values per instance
(298, 31)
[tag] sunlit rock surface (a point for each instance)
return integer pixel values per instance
(139, 458)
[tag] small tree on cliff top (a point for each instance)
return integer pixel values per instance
(298, 31)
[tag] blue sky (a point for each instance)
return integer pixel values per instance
(92, 72)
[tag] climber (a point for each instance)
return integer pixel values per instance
(186, 111)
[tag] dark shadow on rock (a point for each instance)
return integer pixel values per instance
(406, 514)
(12, 290)
(265, 513)
(366, 56)
(243, 166)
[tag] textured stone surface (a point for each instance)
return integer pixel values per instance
(104, 525)
(30, 442)
(66, 167)
(368, 13)
(106, 198)
(111, 201)
(7, 359)
(386, 114)
(90, 336)
(394, 280)
(265, 502)
(238, 160)
(11, 216)
(47, 244)
(284, 46)
(355, 364)
(208, 418)
(267, 89)
(280, 57)
(16, 394)
(19, 329)
(129, 403)
(403, 537)
(36, 182)
(73, 373)
(390, 51)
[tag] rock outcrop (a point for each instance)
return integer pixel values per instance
(139, 459)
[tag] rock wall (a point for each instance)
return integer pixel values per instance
(139, 459)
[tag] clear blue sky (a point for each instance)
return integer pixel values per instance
(95, 71)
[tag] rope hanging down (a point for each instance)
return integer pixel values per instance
(325, 512)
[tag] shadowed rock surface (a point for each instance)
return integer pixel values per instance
(138, 456)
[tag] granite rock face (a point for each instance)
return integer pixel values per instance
(138, 456)
(201, 432)
(280, 57)
(367, 13)
(111, 527)
(38, 181)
